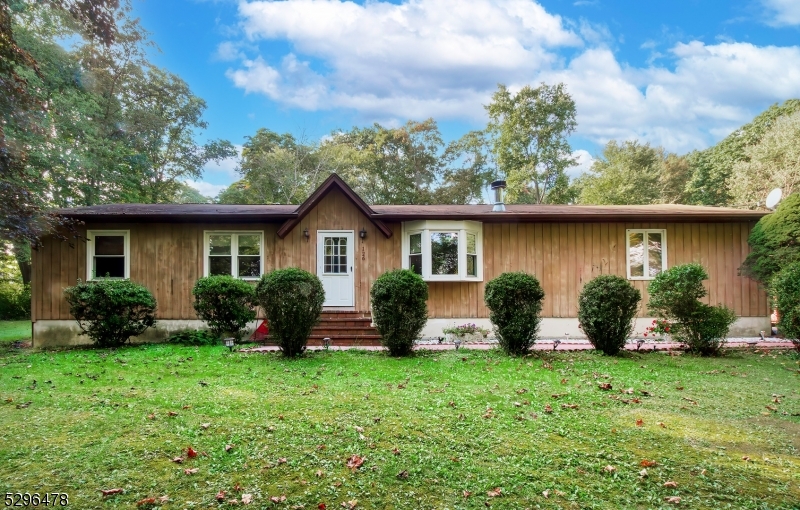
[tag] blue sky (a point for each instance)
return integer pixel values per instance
(681, 74)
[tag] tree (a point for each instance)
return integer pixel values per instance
(711, 168)
(627, 173)
(773, 162)
(530, 132)
(774, 242)
(22, 205)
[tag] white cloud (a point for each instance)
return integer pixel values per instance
(225, 169)
(583, 164)
(206, 188)
(228, 51)
(444, 58)
(783, 12)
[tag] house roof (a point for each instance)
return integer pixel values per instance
(291, 215)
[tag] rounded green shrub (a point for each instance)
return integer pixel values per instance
(399, 309)
(515, 303)
(111, 311)
(786, 289)
(225, 303)
(675, 295)
(606, 309)
(292, 300)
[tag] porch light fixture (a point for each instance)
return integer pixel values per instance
(306, 234)
(229, 343)
(362, 233)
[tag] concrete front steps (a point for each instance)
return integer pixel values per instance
(344, 328)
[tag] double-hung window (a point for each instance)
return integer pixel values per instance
(239, 254)
(647, 253)
(108, 254)
(444, 250)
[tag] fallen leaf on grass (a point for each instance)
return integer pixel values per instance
(163, 499)
(319, 473)
(186, 407)
(467, 494)
(172, 413)
(563, 381)
(546, 493)
(228, 447)
(146, 501)
(220, 495)
(569, 406)
(151, 416)
(355, 462)
(191, 453)
(278, 499)
(488, 413)
(111, 492)
(191, 471)
(177, 460)
(548, 409)
(609, 469)
(673, 499)
(639, 422)
(661, 424)
(396, 451)
(322, 506)
(497, 491)
(204, 425)
(605, 386)
(745, 458)
(629, 391)
(350, 505)
(643, 473)
(25, 405)
(517, 404)
(772, 408)
(648, 463)
(522, 390)
(359, 429)
(247, 499)
(402, 475)
(671, 485)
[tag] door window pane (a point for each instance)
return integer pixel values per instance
(444, 253)
(654, 253)
(636, 253)
(109, 245)
(219, 244)
(335, 261)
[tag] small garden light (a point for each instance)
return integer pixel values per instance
(639, 343)
(556, 343)
(229, 343)
(457, 342)
(326, 342)
(762, 336)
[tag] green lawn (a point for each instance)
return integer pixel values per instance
(13, 331)
(431, 429)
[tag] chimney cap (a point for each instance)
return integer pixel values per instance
(498, 184)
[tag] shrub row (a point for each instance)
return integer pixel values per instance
(110, 312)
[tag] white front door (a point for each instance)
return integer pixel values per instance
(335, 264)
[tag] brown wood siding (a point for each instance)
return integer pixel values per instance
(168, 259)
(566, 256)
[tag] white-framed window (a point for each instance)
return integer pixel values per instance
(108, 254)
(239, 253)
(443, 250)
(646, 252)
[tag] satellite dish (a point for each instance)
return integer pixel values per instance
(773, 198)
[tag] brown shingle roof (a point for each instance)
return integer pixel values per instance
(390, 213)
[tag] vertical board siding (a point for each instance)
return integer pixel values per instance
(168, 259)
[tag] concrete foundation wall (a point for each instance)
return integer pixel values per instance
(53, 333)
(560, 327)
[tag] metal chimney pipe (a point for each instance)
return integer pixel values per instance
(498, 187)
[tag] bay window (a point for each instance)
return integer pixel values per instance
(444, 250)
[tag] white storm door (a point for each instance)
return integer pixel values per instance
(335, 264)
